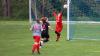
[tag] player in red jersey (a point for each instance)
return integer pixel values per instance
(59, 25)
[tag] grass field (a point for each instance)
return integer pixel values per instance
(16, 40)
(88, 31)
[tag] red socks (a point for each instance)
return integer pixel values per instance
(33, 47)
(36, 47)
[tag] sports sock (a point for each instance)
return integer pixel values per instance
(38, 48)
(33, 48)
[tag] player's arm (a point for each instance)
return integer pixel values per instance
(41, 28)
(54, 13)
(50, 27)
(61, 14)
(31, 28)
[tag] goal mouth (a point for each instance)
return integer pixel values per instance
(81, 16)
(84, 30)
(83, 19)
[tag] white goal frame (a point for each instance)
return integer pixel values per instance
(68, 21)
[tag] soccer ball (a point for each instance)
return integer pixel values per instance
(65, 6)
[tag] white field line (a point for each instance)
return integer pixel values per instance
(95, 51)
(72, 22)
(87, 39)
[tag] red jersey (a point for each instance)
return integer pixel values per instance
(59, 25)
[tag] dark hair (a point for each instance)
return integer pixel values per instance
(43, 19)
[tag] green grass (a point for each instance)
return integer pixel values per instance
(16, 40)
(90, 31)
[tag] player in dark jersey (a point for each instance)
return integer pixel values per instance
(45, 29)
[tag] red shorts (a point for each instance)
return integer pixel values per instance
(36, 39)
(59, 27)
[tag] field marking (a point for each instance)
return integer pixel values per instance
(87, 39)
(94, 51)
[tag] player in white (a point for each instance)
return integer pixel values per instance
(36, 31)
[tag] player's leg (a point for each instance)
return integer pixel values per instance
(46, 38)
(41, 43)
(38, 48)
(38, 44)
(58, 35)
(33, 48)
(42, 40)
(34, 45)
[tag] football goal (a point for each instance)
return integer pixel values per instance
(84, 19)
(82, 16)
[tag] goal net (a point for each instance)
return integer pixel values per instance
(82, 16)
(84, 19)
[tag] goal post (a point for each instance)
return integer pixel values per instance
(32, 11)
(66, 6)
(68, 20)
(30, 16)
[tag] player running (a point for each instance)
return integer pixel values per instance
(59, 25)
(45, 29)
(36, 29)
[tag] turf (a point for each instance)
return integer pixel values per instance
(16, 40)
(87, 30)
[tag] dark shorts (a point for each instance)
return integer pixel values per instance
(45, 35)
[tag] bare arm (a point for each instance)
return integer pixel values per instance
(31, 28)
(50, 28)
(54, 13)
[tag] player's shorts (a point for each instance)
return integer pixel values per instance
(45, 35)
(59, 27)
(36, 39)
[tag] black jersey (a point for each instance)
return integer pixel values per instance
(45, 28)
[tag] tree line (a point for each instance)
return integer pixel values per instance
(14, 9)
(18, 9)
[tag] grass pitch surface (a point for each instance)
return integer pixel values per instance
(16, 40)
